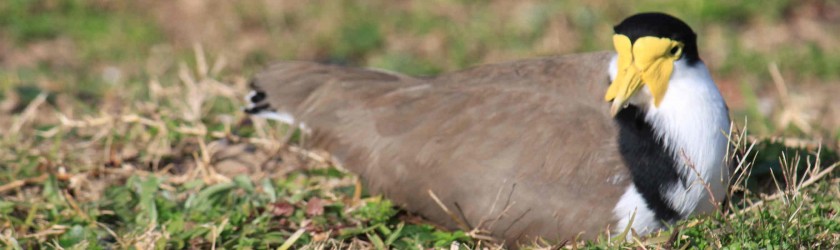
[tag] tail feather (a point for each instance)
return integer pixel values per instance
(283, 90)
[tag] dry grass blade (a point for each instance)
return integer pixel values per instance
(8, 239)
(28, 113)
(810, 181)
(73, 204)
(292, 239)
(623, 236)
(792, 112)
(452, 215)
(699, 179)
(20, 183)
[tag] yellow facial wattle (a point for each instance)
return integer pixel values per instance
(649, 61)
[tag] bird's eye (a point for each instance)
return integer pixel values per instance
(675, 50)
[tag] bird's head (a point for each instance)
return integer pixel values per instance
(648, 46)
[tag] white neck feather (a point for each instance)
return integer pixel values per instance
(693, 122)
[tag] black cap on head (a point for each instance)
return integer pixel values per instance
(660, 25)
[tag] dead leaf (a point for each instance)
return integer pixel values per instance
(315, 207)
(282, 209)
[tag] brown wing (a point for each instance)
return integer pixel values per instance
(525, 149)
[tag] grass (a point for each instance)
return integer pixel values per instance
(121, 127)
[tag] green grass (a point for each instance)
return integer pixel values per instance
(115, 157)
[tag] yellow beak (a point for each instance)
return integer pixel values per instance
(649, 61)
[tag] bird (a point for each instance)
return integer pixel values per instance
(557, 148)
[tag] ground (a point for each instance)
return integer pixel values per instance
(121, 123)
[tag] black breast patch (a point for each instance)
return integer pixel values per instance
(651, 164)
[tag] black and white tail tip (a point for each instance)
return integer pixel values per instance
(258, 106)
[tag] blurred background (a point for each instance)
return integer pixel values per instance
(777, 61)
(119, 116)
